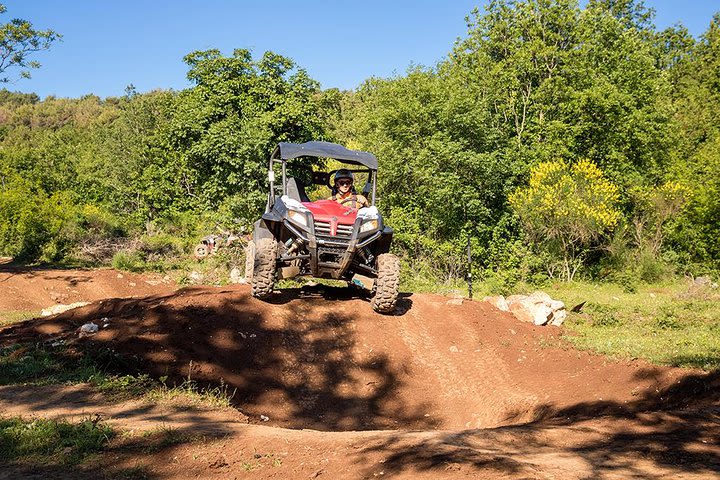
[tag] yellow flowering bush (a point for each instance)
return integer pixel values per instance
(566, 207)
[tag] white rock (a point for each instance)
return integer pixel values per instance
(540, 296)
(88, 329)
(498, 302)
(55, 309)
(236, 276)
(195, 276)
(454, 349)
(538, 308)
(558, 317)
(556, 305)
(541, 314)
(264, 418)
(521, 309)
(515, 298)
(455, 301)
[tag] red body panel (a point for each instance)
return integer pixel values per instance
(331, 212)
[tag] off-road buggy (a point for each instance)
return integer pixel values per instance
(324, 238)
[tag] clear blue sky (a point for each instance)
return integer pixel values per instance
(108, 45)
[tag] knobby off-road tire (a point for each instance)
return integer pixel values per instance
(264, 268)
(387, 283)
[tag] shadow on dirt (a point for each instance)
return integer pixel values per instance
(301, 367)
(21, 268)
(305, 366)
(691, 391)
(649, 434)
(332, 293)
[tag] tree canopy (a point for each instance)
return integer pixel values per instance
(625, 115)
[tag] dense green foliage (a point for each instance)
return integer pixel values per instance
(535, 82)
(76, 174)
(539, 81)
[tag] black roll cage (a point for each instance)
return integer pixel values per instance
(289, 151)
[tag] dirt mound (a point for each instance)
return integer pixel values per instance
(34, 288)
(320, 358)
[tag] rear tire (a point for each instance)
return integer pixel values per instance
(264, 268)
(387, 283)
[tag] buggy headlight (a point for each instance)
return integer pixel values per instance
(298, 217)
(369, 226)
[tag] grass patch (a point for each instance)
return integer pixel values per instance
(41, 365)
(55, 442)
(666, 323)
(46, 365)
(661, 323)
(156, 439)
(189, 392)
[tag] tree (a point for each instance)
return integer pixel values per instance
(18, 41)
(567, 208)
(654, 208)
(224, 128)
(533, 81)
(695, 101)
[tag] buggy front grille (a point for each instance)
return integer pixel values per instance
(342, 232)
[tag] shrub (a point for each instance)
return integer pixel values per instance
(131, 261)
(34, 226)
(566, 208)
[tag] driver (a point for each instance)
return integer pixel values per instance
(344, 192)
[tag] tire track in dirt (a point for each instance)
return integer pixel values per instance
(470, 380)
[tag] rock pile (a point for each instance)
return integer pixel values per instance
(537, 308)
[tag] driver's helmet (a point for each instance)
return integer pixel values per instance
(344, 173)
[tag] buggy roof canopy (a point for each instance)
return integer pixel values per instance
(289, 151)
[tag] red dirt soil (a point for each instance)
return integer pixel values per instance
(25, 289)
(489, 395)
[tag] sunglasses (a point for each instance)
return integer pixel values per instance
(344, 182)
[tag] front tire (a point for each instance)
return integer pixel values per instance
(264, 268)
(387, 283)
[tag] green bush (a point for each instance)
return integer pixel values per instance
(129, 261)
(34, 226)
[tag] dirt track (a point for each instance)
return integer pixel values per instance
(436, 391)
